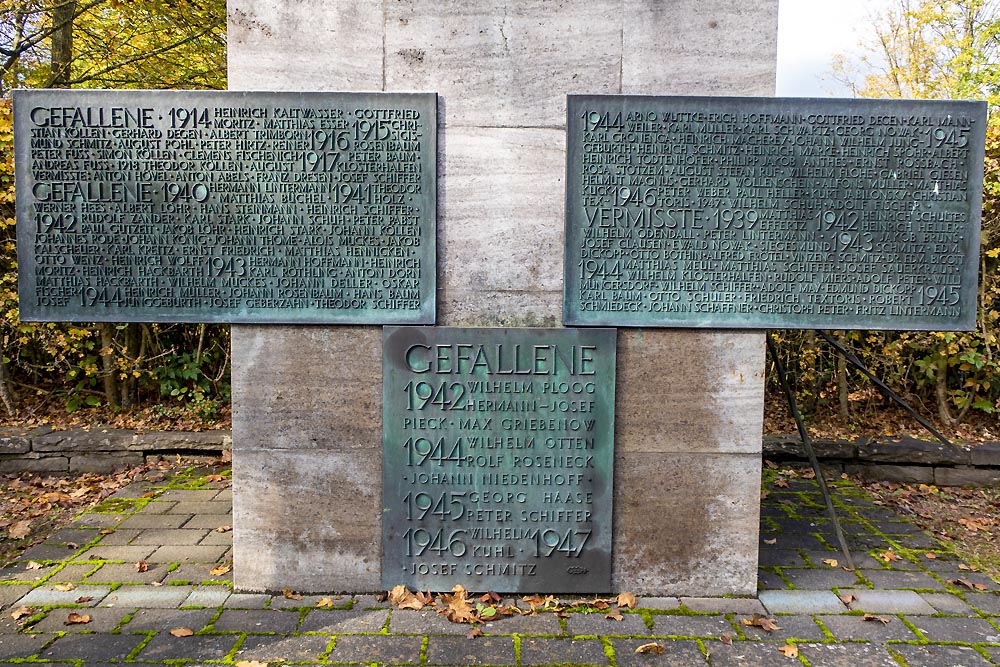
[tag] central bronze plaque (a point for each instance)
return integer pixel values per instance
(497, 458)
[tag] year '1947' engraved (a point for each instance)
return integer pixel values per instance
(497, 458)
(742, 212)
(225, 206)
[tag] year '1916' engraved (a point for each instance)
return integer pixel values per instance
(225, 206)
(744, 212)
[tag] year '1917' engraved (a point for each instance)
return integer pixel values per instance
(497, 458)
(225, 206)
(744, 212)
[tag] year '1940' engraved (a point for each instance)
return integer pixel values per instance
(497, 458)
(225, 206)
(744, 212)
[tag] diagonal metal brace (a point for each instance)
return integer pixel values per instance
(810, 452)
(884, 388)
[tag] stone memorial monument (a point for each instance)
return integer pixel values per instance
(688, 405)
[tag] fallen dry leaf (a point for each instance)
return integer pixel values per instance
(873, 617)
(20, 529)
(21, 612)
(782, 482)
(809, 474)
(325, 603)
(766, 624)
(972, 524)
(141, 566)
(847, 598)
(75, 618)
(473, 633)
(286, 592)
(930, 556)
(182, 632)
(83, 599)
(457, 608)
(726, 639)
(64, 588)
(250, 663)
(33, 565)
(651, 647)
(626, 600)
(401, 597)
(773, 540)
(222, 568)
(832, 562)
(889, 555)
(790, 650)
(223, 529)
(614, 614)
(107, 531)
(968, 584)
(963, 566)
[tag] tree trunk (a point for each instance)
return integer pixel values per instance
(108, 363)
(63, 12)
(842, 392)
(6, 395)
(941, 390)
(130, 387)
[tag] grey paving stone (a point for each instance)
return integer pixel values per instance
(846, 655)
(127, 573)
(165, 646)
(261, 620)
(597, 624)
(546, 650)
(143, 521)
(683, 625)
(851, 628)
(791, 627)
(159, 507)
(971, 577)
(724, 605)
(801, 602)
(189, 495)
(247, 601)
(207, 507)
(662, 603)
(378, 648)
(18, 572)
(946, 603)
(22, 646)
(825, 578)
(343, 621)
(9, 593)
(957, 629)
(207, 596)
(189, 554)
(162, 597)
(101, 620)
(988, 603)
(739, 654)
(286, 648)
(370, 602)
(891, 579)
(145, 620)
(993, 652)
(308, 601)
(676, 652)
(128, 554)
(216, 538)
(224, 495)
(209, 521)
(424, 622)
(170, 536)
(196, 573)
(121, 537)
(461, 651)
(92, 648)
(887, 602)
(940, 656)
(48, 595)
(770, 581)
(541, 624)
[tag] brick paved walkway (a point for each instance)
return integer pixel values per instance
(172, 525)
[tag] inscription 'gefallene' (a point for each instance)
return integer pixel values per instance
(225, 206)
(742, 212)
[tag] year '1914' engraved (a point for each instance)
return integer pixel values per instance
(225, 206)
(497, 458)
(745, 212)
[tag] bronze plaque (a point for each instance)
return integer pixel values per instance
(773, 212)
(184, 206)
(497, 459)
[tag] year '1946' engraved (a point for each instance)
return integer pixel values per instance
(497, 458)
(744, 212)
(225, 206)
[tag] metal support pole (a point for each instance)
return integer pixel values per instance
(807, 444)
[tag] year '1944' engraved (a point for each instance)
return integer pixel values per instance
(497, 458)
(225, 206)
(744, 212)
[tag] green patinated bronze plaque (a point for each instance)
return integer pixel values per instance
(497, 458)
(184, 206)
(773, 212)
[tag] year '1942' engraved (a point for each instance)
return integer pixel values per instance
(747, 212)
(497, 458)
(225, 206)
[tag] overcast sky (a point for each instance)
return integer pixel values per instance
(810, 32)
